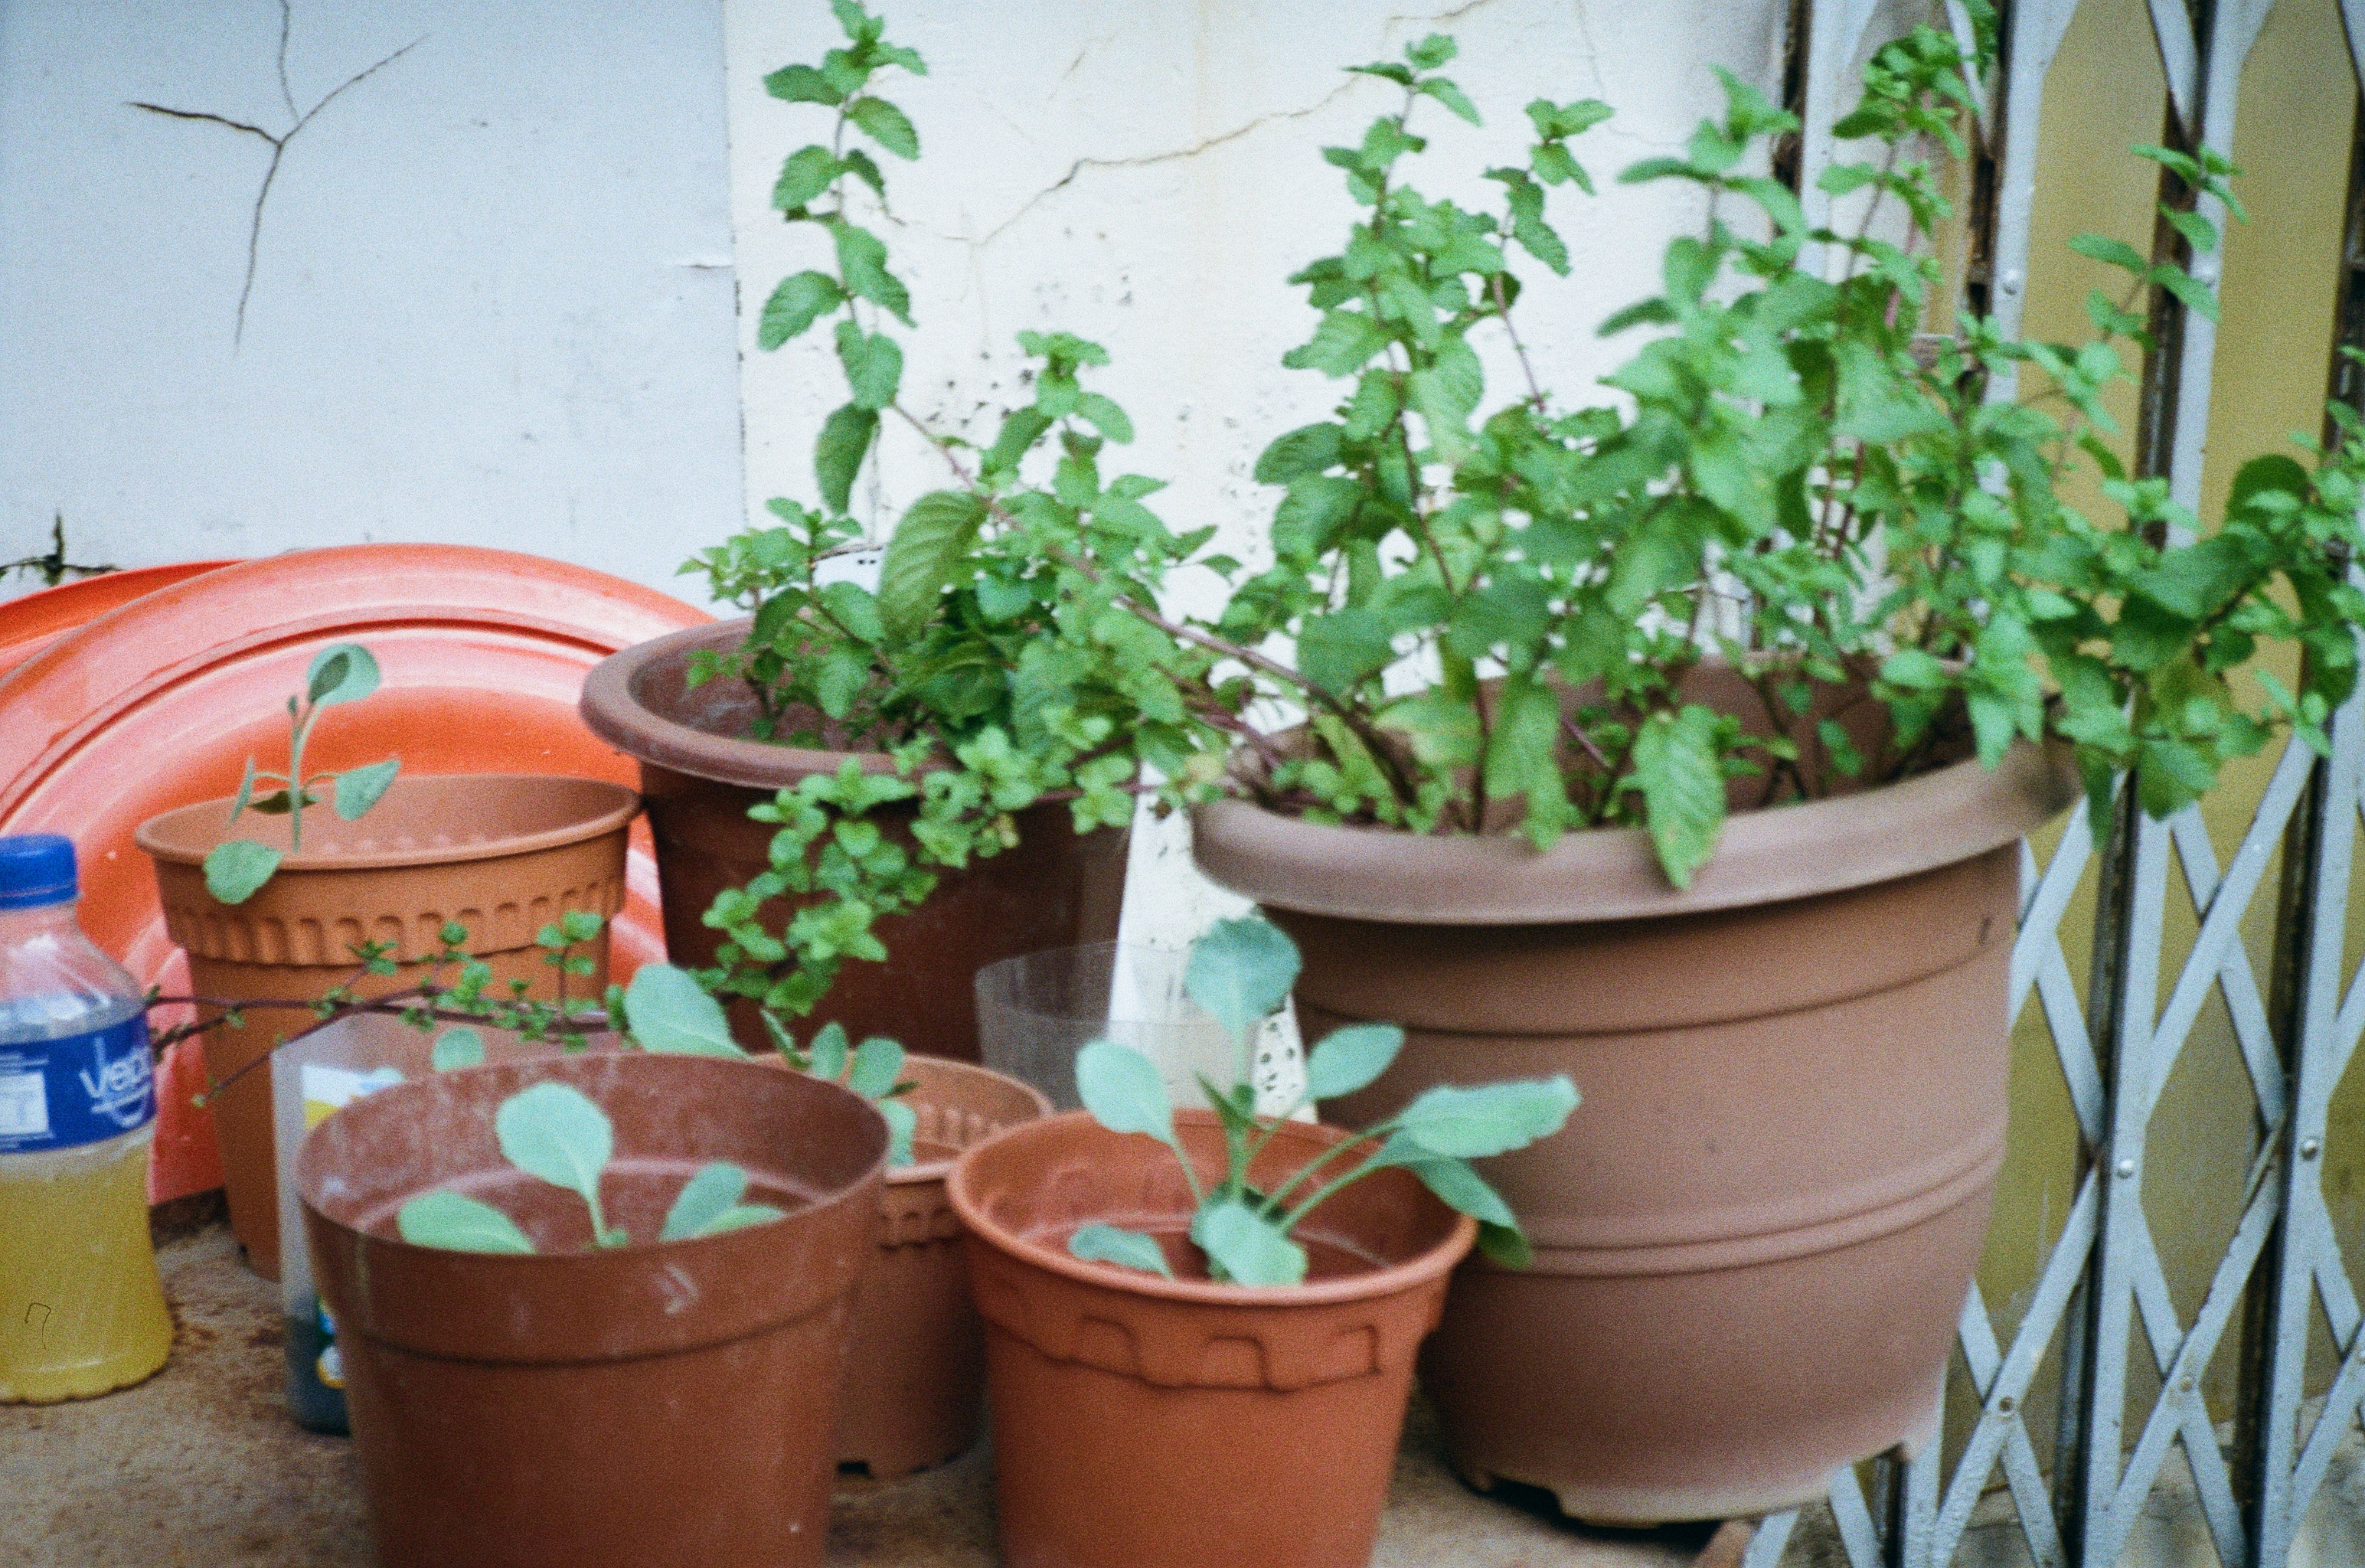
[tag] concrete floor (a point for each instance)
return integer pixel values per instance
(200, 1466)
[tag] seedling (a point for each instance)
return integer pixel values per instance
(554, 1132)
(667, 1009)
(237, 867)
(1241, 972)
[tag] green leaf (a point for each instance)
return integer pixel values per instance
(709, 1204)
(1250, 1249)
(802, 85)
(1499, 1237)
(669, 1013)
(830, 1048)
(1241, 971)
(1309, 449)
(1350, 1057)
(740, 1215)
(874, 365)
(343, 673)
(1340, 651)
(901, 1123)
(796, 304)
(1494, 1118)
(1106, 417)
(1128, 1249)
(923, 557)
(804, 174)
(458, 1224)
(862, 261)
(580, 924)
(1341, 345)
(877, 1064)
(885, 124)
(844, 441)
(1446, 93)
(237, 867)
(2117, 252)
(852, 606)
(1677, 769)
(553, 1131)
(457, 1049)
(1122, 1091)
(359, 788)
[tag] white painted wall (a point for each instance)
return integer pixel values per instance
(493, 289)
(1145, 175)
(492, 297)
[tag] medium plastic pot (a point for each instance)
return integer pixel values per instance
(1147, 1423)
(700, 774)
(1754, 1239)
(502, 854)
(915, 1357)
(666, 1403)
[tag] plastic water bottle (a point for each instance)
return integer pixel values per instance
(82, 1310)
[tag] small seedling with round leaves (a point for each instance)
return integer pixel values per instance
(666, 1009)
(1240, 973)
(554, 1132)
(237, 867)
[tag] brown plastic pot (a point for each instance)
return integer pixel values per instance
(1147, 1423)
(915, 1356)
(1754, 1239)
(502, 854)
(666, 1403)
(700, 774)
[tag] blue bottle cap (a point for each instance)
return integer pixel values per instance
(36, 869)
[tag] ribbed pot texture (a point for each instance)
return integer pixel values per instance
(502, 854)
(700, 775)
(665, 1404)
(916, 1354)
(1146, 1423)
(1754, 1236)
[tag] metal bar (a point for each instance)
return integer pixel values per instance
(2308, 1251)
(2098, 1532)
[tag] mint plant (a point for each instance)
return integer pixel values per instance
(1492, 606)
(1241, 972)
(237, 867)
(554, 1132)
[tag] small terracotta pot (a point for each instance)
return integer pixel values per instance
(916, 1355)
(1754, 1238)
(502, 854)
(700, 774)
(666, 1403)
(1147, 1423)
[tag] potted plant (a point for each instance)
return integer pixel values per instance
(916, 1360)
(1682, 743)
(1201, 1327)
(275, 912)
(592, 1308)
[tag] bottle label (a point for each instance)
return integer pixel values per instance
(76, 1089)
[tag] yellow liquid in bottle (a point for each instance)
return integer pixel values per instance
(82, 1310)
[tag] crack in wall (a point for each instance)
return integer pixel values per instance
(279, 145)
(1174, 155)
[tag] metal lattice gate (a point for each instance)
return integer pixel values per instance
(2077, 1489)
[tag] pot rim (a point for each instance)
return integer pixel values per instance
(158, 835)
(1768, 856)
(613, 713)
(924, 1170)
(1388, 1280)
(306, 1178)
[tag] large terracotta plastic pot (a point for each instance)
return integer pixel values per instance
(661, 1404)
(915, 1365)
(503, 855)
(1147, 1423)
(700, 774)
(1754, 1239)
